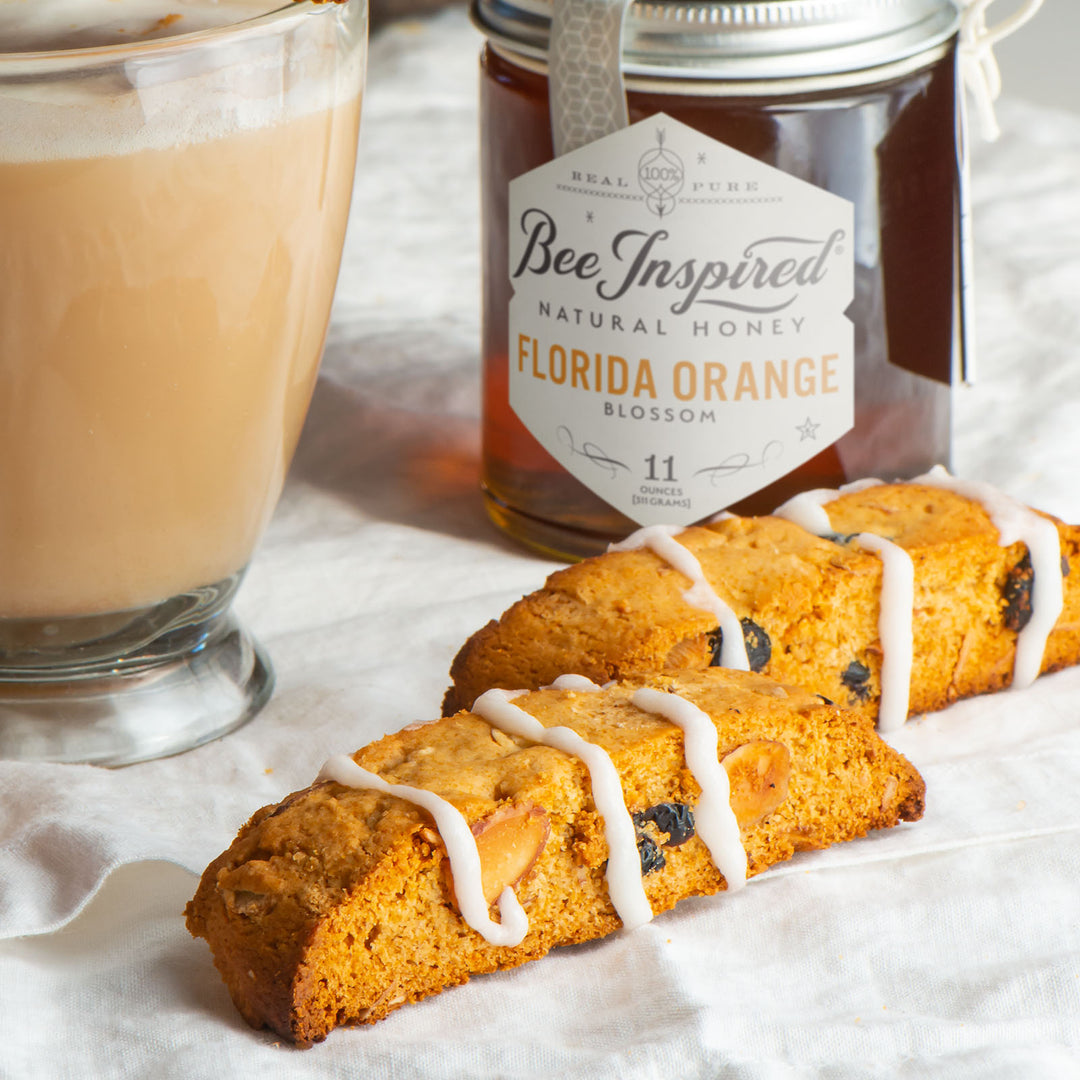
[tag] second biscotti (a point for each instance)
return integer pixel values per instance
(809, 607)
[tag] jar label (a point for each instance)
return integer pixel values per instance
(677, 329)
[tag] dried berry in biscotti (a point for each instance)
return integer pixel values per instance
(674, 820)
(1017, 595)
(857, 679)
(652, 858)
(758, 645)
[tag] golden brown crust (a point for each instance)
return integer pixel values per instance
(336, 906)
(814, 602)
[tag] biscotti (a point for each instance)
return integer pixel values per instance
(892, 599)
(573, 811)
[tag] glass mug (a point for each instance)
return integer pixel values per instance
(173, 211)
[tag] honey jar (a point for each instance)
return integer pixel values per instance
(744, 284)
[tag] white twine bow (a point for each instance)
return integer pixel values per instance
(978, 66)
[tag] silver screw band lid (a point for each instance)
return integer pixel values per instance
(776, 39)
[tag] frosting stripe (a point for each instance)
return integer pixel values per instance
(660, 539)
(460, 848)
(896, 607)
(713, 817)
(574, 682)
(623, 872)
(1017, 523)
(895, 627)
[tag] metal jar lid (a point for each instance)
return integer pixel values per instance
(777, 39)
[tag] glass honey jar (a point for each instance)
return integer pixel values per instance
(750, 286)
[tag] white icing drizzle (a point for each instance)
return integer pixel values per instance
(1016, 522)
(574, 682)
(460, 848)
(623, 872)
(895, 628)
(896, 605)
(713, 817)
(807, 509)
(660, 539)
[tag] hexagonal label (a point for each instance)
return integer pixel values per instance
(677, 329)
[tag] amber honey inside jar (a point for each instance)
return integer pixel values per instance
(883, 137)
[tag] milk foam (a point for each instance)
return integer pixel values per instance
(36, 25)
(163, 97)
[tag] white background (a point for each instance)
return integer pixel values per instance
(1041, 62)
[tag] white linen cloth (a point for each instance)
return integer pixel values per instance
(947, 948)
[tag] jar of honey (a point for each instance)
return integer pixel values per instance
(747, 285)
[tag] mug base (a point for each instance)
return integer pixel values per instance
(136, 707)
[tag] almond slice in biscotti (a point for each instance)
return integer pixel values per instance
(758, 772)
(337, 905)
(508, 841)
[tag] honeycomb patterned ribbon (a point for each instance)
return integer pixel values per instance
(585, 85)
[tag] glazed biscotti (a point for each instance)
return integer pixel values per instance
(480, 841)
(891, 599)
